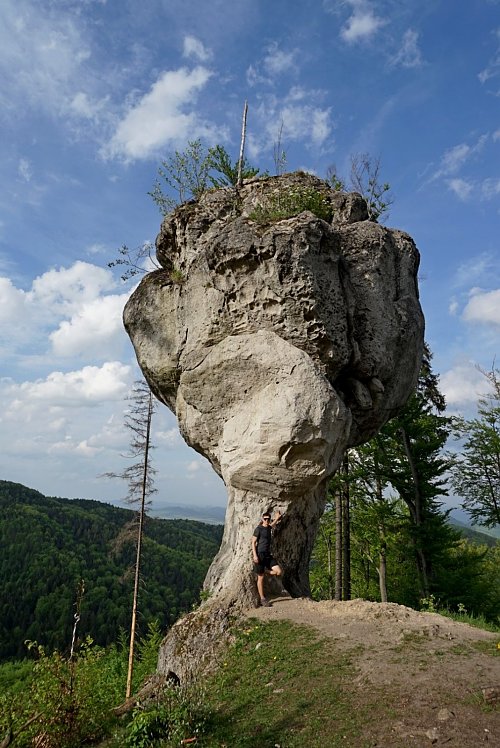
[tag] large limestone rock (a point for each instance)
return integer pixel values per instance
(277, 346)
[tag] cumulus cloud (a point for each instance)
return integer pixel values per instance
(408, 55)
(71, 311)
(66, 416)
(12, 303)
(193, 47)
(483, 306)
(94, 326)
(67, 288)
(362, 24)
(164, 115)
(89, 386)
(463, 384)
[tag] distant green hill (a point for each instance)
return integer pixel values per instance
(48, 544)
(478, 537)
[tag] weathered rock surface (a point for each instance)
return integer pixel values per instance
(277, 346)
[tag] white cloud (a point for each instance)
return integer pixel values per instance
(159, 117)
(93, 327)
(193, 47)
(484, 306)
(89, 386)
(194, 466)
(321, 126)
(362, 24)
(478, 269)
(68, 288)
(302, 120)
(454, 158)
(492, 70)
(97, 249)
(83, 106)
(67, 310)
(461, 187)
(463, 384)
(490, 188)
(25, 170)
(43, 51)
(12, 303)
(77, 414)
(408, 55)
(276, 61)
(170, 437)
(305, 122)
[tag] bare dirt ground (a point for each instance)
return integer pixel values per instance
(428, 670)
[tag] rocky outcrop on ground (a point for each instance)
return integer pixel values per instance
(277, 342)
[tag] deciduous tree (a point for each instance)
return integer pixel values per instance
(476, 477)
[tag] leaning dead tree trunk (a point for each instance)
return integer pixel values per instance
(140, 479)
(242, 145)
(140, 532)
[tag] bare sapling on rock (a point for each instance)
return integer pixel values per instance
(291, 338)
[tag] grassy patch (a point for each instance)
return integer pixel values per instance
(478, 622)
(411, 640)
(490, 647)
(291, 202)
(279, 684)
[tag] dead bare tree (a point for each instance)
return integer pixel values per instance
(241, 159)
(279, 155)
(140, 479)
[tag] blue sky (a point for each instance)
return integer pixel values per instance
(94, 93)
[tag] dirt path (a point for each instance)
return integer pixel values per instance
(428, 670)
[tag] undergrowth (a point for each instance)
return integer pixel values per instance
(461, 615)
(291, 202)
(279, 684)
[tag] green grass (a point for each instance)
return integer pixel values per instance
(291, 202)
(478, 622)
(279, 684)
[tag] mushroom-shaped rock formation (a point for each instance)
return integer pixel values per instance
(278, 343)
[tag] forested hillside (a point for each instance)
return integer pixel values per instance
(478, 537)
(47, 545)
